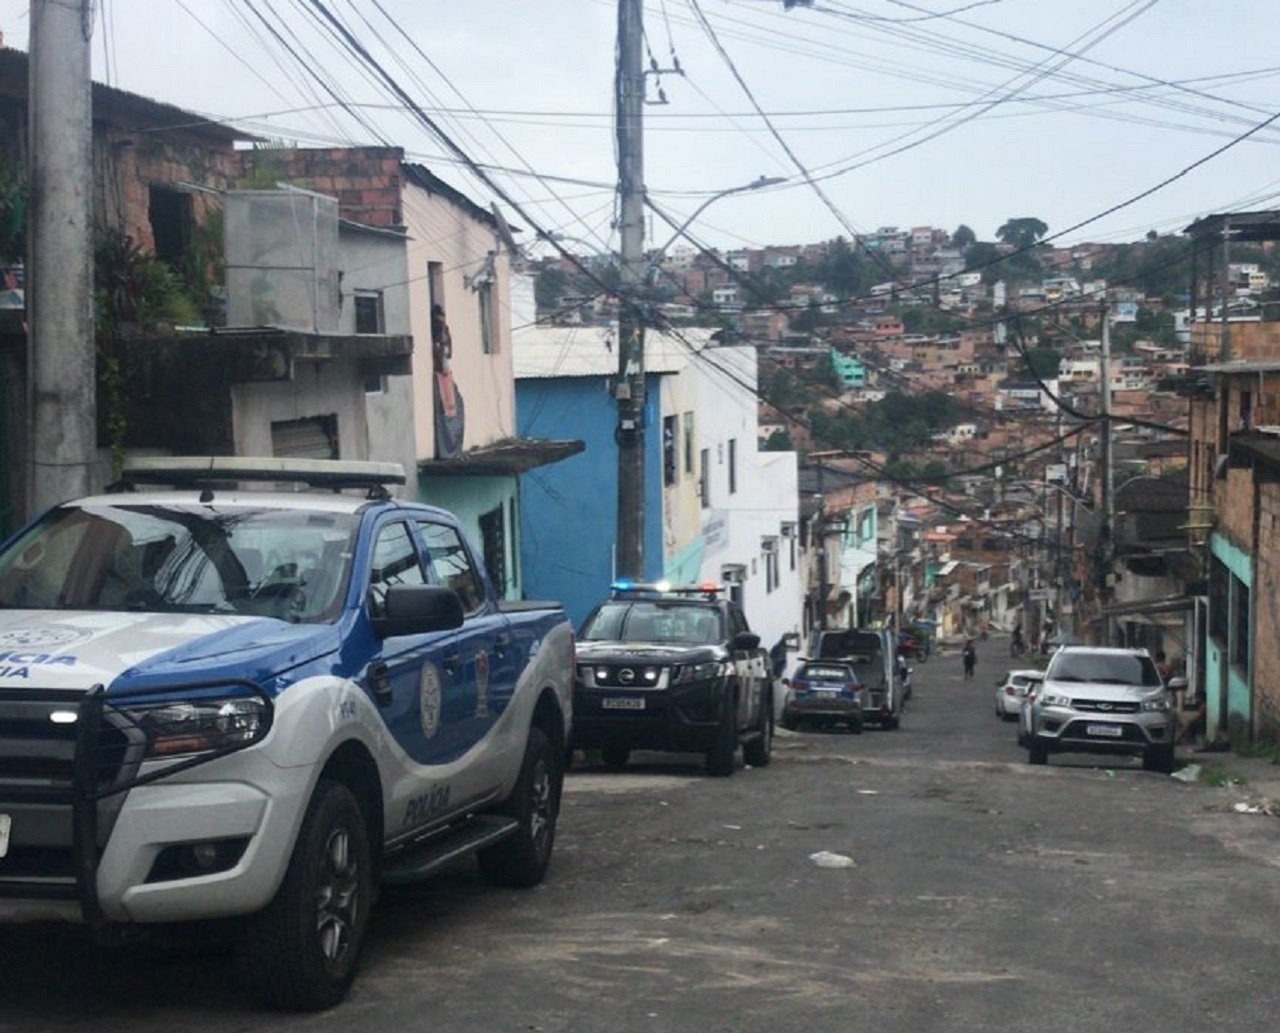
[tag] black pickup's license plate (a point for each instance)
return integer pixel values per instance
(622, 703)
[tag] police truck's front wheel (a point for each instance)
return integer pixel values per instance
(301, 953)
(521, 860)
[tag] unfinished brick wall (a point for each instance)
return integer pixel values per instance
(1266, 605)
(126, 165)
(1247, 340)
(1234, 503)
(365, 180)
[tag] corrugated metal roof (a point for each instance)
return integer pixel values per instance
(1242, 366)
(541, 352)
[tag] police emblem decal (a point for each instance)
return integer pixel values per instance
(429, 700)
(482, 684)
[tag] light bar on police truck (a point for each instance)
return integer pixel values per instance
(626, 586)
(328, 473)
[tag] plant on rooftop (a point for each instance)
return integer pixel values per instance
(133, 292)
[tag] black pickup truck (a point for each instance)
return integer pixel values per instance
(672, 669)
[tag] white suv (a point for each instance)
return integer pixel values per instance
(1097, 700)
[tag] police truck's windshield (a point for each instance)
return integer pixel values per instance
(291, 564)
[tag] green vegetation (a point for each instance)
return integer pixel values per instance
(133, 292)
(896, 424)
(1043, 362)
(928, 320)
(1219, 777)
(13, 212)
(1023, 232)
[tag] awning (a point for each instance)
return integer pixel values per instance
(1169, 604)
(503, 458)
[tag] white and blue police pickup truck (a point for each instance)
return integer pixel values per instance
(262, 704)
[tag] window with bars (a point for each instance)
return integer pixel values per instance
(1219, 601)
(369, 317)
(493, 538)
(1240, 625)
(670, 450)
(772, 577)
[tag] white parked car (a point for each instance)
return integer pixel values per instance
(1011, 690)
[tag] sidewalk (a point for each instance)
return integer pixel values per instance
(1255, 781)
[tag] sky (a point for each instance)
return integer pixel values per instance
(996, 108)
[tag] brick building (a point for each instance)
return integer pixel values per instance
(1235, 492)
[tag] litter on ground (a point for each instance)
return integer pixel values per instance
(826, 859)
(1267, 807)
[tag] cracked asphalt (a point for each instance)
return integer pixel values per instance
(984, 895)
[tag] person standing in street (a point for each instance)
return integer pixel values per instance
(970, 656)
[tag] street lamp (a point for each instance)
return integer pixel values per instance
(755, 184)
(556, 237)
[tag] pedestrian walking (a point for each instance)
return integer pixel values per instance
(970, 656)
(1017, 646)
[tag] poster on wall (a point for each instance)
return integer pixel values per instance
(450, 421)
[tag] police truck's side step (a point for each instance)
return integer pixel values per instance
(424, 861)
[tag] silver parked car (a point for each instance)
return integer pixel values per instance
(1099, 700)
(1012, 689)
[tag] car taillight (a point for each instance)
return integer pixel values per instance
(851, 688)
(1009, 690)
(800, 683)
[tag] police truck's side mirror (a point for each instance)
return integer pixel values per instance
(418, 610)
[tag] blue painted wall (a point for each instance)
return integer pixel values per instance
(568, 510)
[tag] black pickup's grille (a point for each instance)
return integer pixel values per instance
(627, 676)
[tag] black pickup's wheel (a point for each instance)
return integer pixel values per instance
(758, 751)
(724, 750)
(301, 952)
(522, 860)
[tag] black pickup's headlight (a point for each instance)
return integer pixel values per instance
(180, 728)
(701, 672)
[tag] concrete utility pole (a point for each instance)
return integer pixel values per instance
(629, 388)
(1106, 533)
(1224, 338)
(62, 443)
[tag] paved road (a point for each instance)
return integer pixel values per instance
(987, 895)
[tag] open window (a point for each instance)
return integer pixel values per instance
(172, 217)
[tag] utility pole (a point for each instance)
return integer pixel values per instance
(1106, 532)
(1224, 339)
(629, 387)
(61, 404)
